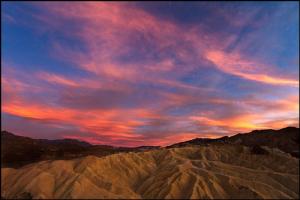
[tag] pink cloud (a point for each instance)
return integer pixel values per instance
(54, 78)
(235, 65)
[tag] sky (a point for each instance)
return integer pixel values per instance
(148, 73)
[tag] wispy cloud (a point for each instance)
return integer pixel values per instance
(233, 64)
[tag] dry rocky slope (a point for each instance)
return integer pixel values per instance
(215, 171)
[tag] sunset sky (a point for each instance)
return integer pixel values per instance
(132, 74)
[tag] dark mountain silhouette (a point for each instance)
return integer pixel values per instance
(17, 151)
(66, 142)
(200, 141)
(286, 139)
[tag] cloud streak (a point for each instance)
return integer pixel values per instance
(233, 64)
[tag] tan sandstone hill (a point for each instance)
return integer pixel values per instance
(219, 171)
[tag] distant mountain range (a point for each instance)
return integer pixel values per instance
(17, 151)
(286, 139)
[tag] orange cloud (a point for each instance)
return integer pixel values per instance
(102, 123)
(278, 124)
(238, 123)
(275, 115)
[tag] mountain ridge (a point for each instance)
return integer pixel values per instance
(285, 139)
(17, 151)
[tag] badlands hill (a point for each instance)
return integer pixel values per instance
(215, 171)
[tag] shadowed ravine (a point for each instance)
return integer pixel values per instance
(218, 171)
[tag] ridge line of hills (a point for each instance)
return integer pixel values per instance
(17, 151)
